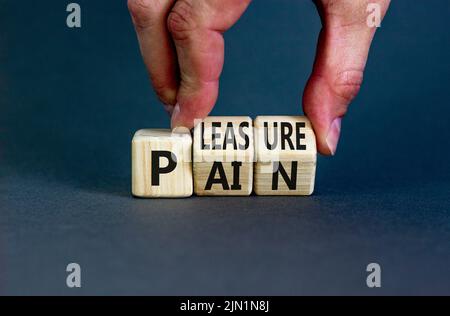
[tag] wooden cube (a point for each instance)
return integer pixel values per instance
(286, 155)
(223, 156)
(161, 164)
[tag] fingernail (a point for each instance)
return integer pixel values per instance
(176, 128)
(175, 113)
(169, 108)
(332, 138)
(181, 130)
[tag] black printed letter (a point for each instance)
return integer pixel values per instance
(292, 182)
(156, 169)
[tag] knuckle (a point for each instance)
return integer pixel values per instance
(181, 20)
(348, 84)
(143, 12)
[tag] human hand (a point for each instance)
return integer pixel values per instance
(183, 49)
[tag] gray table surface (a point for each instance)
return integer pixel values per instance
(70, 101)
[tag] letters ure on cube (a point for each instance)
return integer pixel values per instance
(161, 164)
(223, 156)
(285, 155)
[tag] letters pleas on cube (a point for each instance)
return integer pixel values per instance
(223, 156)
(285, 155)
(272, 155)
(161, 164)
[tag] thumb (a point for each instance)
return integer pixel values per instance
(337, 75)
(196, 28)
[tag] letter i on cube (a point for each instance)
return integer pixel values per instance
(274, 155)
(223, 156)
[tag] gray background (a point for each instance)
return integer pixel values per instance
(71, 99)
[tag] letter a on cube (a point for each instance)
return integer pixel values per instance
(223, 156)
(161, 164)
(285, 155)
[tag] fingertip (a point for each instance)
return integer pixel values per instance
(166, 93)
(322, 109)
(176, 119)
(183, 118)
(327, 142)
(333, 135)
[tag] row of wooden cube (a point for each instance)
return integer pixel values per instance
(274, 155)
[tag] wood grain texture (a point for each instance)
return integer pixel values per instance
(286, 155)
(223, 156)
(149, 150)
